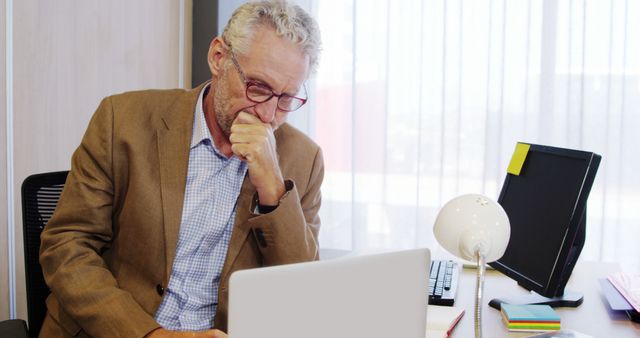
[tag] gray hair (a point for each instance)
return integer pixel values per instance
(289, 20)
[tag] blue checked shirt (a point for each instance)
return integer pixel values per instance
(213, 186)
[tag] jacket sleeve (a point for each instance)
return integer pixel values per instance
(82, 229)
(289, 234)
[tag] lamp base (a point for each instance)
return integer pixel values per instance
(568, 299)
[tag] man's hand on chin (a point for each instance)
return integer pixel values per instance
(162, 333)
(253, 141)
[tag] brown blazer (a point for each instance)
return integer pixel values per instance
(108, 250)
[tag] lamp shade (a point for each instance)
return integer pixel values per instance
(473, 223)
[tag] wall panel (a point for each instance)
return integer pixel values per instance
(4, 254)
(68, 56)
(205, 27)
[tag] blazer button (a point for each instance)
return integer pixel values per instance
(160, 289)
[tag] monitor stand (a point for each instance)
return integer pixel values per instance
(568, 299)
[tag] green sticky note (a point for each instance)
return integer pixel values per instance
(517, 160)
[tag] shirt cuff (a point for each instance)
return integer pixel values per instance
(261, 209)
(265, 209)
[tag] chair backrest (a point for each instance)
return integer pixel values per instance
(40, 194)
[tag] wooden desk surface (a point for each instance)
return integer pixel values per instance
(592, 317)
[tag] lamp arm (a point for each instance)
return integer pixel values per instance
(479, 289)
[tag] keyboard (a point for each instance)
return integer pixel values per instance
(443, 282)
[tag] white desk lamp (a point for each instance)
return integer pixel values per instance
(473, 227)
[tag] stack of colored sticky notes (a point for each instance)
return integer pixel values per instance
(530, 317)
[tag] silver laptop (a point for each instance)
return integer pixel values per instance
(375, 296)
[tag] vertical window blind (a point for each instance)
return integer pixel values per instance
(418, 101)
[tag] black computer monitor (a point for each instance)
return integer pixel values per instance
(546, 205)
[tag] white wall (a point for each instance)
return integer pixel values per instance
(68, 55)
(4, 254)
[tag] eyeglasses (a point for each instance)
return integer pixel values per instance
(259, 93)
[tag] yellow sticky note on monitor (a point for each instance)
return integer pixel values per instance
(517, 160)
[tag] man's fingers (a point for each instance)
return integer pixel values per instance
(256, 139)
(246, 118)
(162, 333)
(243, 151)
(247, 129)
(216, 334)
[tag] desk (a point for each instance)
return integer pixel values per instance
(592, 317)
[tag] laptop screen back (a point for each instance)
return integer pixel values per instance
(376, 296)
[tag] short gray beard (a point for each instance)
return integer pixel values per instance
(221, 105)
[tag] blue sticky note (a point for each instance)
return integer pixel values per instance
(529, 312)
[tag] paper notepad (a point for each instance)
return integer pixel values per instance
(561, 334)
(441, 320)
(530, 317)
(629, 286)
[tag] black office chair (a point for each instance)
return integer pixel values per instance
(40, 194)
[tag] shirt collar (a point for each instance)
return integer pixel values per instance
(200, 129)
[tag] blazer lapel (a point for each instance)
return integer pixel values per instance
(174, 138)
(240, 229)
